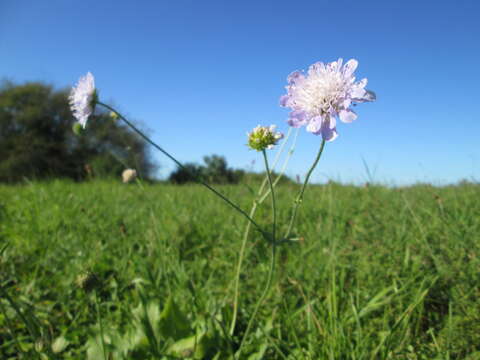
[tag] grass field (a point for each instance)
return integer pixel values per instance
(379, 273)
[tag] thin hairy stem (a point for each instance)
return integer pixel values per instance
(179, 164)
(282, 171)
(274, 207)
(260, 301)
(299, 198)
(272, 264)
(258, 201)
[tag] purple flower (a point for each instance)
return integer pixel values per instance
(323, 95)
(82, 99)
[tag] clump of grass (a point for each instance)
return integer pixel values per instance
(379, 272)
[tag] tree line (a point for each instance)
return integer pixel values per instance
(37, 142)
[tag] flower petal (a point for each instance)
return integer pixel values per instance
(329, 134)
(358, 91)
(347, 116)
(364, 96)
(349, 67)
(297, 118)
(316, 67)
(370, 96)
(315, 125)
(329, 130)
(284, 100)
(294, 77)
(339, 63)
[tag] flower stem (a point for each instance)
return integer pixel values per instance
(274, 208)
(260, 198)
(179, 164)
(239, 269)
(261, 300)
(272, 264)
(299, 197)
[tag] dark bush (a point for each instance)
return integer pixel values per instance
(215, 171)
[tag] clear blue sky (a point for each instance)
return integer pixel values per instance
(199, 74)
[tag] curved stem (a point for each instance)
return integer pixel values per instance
(272, 264)
(179, 164)
(258, 201)
(299, 197)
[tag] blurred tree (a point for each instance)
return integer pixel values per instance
(189, 173)
(36, 138)
(215, 171)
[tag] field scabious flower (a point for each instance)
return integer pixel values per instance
(82, 99)
(263, 137)
(324, 94)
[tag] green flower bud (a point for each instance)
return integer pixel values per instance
(78, 129)
(263, 137)
(113, 115)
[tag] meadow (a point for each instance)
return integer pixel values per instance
(376, 273)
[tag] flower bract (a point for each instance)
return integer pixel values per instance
(324, 94)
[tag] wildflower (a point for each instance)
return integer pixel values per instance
(263, 137)
(82, 99)
(128, 175)
(324, 94)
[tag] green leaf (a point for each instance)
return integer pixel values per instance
(94, 349)
(173, 322)
(59, 344)
(196, 346)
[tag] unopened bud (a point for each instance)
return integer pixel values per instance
(263, 137)
(113, 115)
(78, 129)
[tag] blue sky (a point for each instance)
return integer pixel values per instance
(199, 74)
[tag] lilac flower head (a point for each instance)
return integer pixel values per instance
(263, 137)
(324, 94)
(82, 99)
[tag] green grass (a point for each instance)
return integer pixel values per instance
(379, 273)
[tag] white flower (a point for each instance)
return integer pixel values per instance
(128, 175)
(324, 94)
(82, 99)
